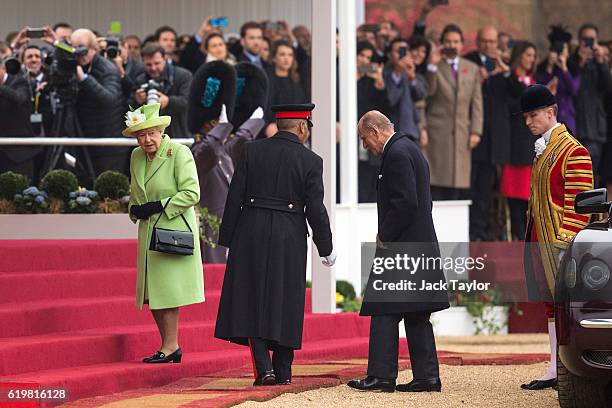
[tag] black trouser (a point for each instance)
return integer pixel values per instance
(384, 346)
(282, 357)
(449, 193)
(518, 217)
(483, 178)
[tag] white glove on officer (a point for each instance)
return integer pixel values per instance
(223, 115)
(257, 113)
(330, 259)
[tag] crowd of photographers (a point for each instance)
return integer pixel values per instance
(458, 106)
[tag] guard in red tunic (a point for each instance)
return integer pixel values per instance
(562, 168)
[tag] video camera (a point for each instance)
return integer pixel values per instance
(12, 65)
(112, 48)
(151, 88)
(60, 65)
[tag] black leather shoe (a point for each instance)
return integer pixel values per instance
(161, 358)
(430, 385)
(540, 384)
(373, 384)
(267, 378)
(283, 382)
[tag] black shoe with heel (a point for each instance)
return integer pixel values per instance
(161, 358)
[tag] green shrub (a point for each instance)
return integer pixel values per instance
(59, 183)
(112, 184)
(12, 183)
(345, 289)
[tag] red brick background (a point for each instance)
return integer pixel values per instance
(524, 19)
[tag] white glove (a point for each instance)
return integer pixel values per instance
(257, 113)
(330, 259)
(223, 115)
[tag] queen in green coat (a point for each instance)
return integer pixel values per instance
(164, 186)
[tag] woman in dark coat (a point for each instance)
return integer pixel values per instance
(285, 87)
(516, 175)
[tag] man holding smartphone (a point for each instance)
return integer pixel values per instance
(589, 62)
(454, 117)
(403, 88)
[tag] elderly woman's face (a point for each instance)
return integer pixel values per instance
(149, 139)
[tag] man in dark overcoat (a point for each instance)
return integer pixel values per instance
(404, 216)
(276, 188)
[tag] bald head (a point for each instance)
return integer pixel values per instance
(374, 130)
(85, 37)
(486, 40)
(375, 119)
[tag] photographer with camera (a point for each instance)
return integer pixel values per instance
(589, 63)
(371, 95)
(403, 88)
(116, 51)
(99, 104)
(15, 122)
(167, 84)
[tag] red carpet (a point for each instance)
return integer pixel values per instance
(68, 319)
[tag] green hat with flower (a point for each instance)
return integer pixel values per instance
(145, 117)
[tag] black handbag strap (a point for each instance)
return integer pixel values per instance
(168, 202)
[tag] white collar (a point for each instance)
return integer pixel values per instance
(453, 61)
(5, 78)
(387, 141)
(547, 134)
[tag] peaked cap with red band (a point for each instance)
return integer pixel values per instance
(294, 111)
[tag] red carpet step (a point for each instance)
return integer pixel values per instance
(68, 319)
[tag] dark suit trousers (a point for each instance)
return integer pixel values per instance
(282, 357)
(384, 346)
(483, 178)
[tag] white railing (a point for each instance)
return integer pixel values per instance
(77, 141)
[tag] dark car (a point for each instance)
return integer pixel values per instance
(583, 310)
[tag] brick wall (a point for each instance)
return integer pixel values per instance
(524, 19)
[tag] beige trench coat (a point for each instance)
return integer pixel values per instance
(454, 111)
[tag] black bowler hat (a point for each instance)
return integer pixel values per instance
(294, 111)
(213, 85)
(536, 97)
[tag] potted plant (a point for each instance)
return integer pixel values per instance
(209, 227)
(59, 184)
(11, 184)
(474, 313)
(113, 188)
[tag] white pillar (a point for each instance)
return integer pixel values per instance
(323, 136)
(348, 101)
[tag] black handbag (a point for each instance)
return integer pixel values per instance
(171, 241)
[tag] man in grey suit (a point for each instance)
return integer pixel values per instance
(216, 154)
(403, 89)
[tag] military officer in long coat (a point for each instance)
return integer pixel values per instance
(276, 189)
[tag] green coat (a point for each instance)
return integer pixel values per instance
(170, 280)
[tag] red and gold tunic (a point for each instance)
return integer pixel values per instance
(563, 170)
